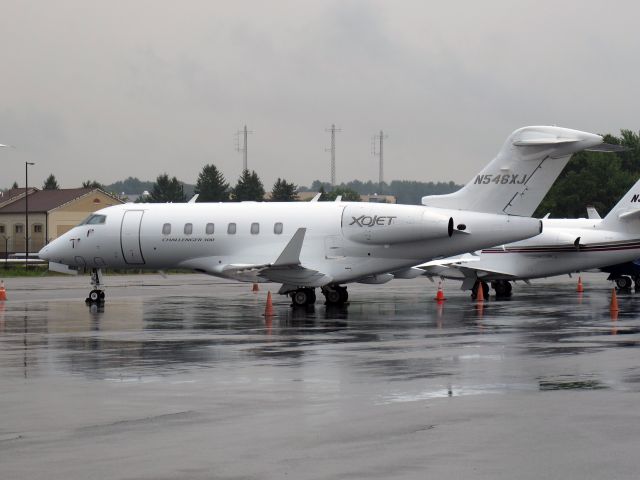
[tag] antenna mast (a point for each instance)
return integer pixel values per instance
(243, 148)
(378, 140)
(333, 131)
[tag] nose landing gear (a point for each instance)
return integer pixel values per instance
(96, 296)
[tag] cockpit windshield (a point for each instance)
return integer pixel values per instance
(94, 220)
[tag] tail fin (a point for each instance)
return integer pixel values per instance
(516, 181)
(592, 213)
(625, 216)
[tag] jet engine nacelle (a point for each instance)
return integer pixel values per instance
(378, 224)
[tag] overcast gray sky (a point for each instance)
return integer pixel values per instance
(108, 89)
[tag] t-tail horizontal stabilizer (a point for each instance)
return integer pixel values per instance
(522, 173)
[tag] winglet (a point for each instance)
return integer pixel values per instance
(194, 198)
(291, 253)
(316, 198)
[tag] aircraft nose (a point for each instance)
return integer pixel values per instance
(53, 252)
(44, 253)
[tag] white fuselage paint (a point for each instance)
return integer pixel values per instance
(553, 252)
(344, 241)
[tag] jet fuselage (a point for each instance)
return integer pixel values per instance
(344, 241)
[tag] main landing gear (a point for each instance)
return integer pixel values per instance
(485, 289)
(303, 296)
(624, 283)
(96, 296)
(502, 288)
(334, 295)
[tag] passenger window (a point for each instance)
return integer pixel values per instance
(277, 228)
(166, 228)
(188, 228)
(231, 229)
(255, 228)
(210, 228)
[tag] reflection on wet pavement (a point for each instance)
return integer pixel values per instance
(210, 353)
(396, 336)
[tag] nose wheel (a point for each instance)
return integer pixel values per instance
(96, 296)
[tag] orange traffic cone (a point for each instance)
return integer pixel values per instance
(268, 309)
(3, 291)
(480, 294)
(614, 301)
(255, 287)
(580, 289)
(440, 293)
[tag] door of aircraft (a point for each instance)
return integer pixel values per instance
(130, 237)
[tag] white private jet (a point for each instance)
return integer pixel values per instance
(564, 246)
(305, 245)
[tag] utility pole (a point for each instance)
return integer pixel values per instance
(26, 213)
(332, 149)
(243, 148)
(378, 140)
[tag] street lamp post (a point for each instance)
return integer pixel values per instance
(26, 213)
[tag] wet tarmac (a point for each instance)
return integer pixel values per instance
(185, 378)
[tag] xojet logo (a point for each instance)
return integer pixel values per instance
(368, 221)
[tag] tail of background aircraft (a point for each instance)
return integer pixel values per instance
(625, 216)
(522, 173)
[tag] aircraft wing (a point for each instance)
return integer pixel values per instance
(449, 261)
(462, 268)
(286, 269)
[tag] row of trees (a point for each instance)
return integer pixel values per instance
(594, 178)
(590, 178)
(211, 186)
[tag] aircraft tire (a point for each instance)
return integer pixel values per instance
(303, 296)
(624, 283)
(300, 297)
(344, 295)
(94, 295)
(333, 296)
(502, 288)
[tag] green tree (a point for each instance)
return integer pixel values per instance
(130, 185)
(51, 183)
(211, 185)
(92, 184)
(249, 187)
(15, 185)
(166, 190)
(348, 195)
(594, 178)
(284, 191)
